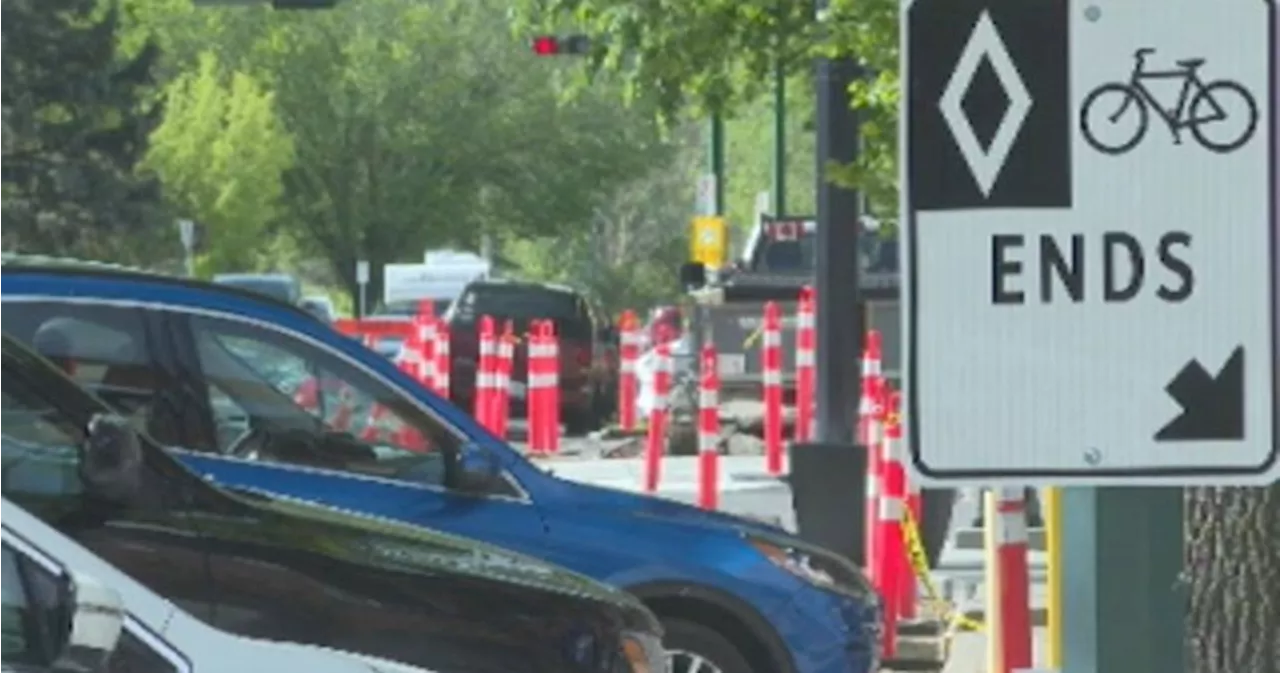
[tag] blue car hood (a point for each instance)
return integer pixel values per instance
(670, 512)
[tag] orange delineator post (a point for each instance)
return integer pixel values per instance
(771, 374)
(486, 374)
(506, 354)
(709, 430)
(871, 434)
(655, 443)
(553, 388)
(425, 324)
(910, 589)
(535, 391)
(629, 353)
(806, 366)
(891, 559)
(1014, 628)
(444, 362)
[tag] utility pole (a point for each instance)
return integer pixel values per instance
(839, 319)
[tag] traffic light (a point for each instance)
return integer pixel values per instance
(555, 45)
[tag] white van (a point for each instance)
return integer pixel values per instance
(68, 611)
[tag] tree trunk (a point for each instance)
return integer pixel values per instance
(1233, 572)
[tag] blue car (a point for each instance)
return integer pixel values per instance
(264, 397)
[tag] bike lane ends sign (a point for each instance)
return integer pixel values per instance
(1089, 215)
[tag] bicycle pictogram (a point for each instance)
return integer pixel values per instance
(1221, 114)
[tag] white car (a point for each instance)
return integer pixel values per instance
(68, 611)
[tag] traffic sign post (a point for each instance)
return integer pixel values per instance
(1089, 216)
(187, 235)
(1089, 220)
(362, 280)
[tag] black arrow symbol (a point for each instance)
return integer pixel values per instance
(1212, 406)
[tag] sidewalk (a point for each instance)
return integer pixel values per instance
(969, 651)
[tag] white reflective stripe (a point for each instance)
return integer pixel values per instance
(894, 450)
(707, 443)
(772, 338)
(804, 320)
(627, 367)
(708, 399)
(484, 381)
(1011, 528)
(630, 339)
(486, 347)
(891, 508)
(913, 487)
(873, 487)
(772, 378)
(870, 367)
(659, 402)
(805, 358)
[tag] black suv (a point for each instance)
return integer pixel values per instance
(264, 567)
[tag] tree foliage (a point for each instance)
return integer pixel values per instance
(221, 154)
(719, 55)
(414, 124)
(76, 118)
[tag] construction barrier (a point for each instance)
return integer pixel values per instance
(629, 353)
(806, 366)
(655, 444)
(771, 374)
(709, 430)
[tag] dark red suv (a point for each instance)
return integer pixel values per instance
(588, 346)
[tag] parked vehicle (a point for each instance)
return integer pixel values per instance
(55, 621)
(588, 346)
(218, 371)
(320, 306)
(66, 610)
(261, 565)
(279, 286)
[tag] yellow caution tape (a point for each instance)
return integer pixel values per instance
(934, 603)
(750, 342)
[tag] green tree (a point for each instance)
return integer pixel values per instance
(221, 154)
(414, 125)
(718, 55)
(76, 120)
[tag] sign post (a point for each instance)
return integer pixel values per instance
(187, 234)
(1089, 220)
(362, 280)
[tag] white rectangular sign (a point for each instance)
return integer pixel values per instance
(362, 272)
(1090, 225)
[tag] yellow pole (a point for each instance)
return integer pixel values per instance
(1053, 550)
(991, 616)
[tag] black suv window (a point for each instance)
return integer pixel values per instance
(103, 348)
(276, 397)
(524, 303)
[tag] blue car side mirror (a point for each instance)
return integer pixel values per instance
(478, 469)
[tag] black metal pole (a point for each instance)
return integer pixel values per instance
(840, 318)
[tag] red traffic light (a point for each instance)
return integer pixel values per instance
(546, 45)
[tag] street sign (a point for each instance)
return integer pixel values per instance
(709, 241)
(362, 272)
(1089, 205)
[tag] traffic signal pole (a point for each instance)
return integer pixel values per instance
(779, 136)
(715, 161)
(839, 315)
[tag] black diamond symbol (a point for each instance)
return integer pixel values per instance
(985, 103)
